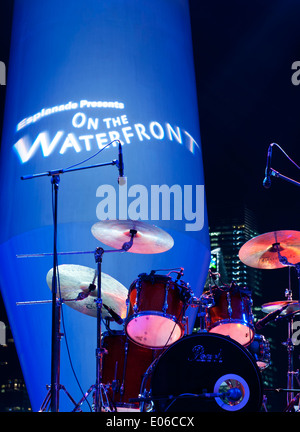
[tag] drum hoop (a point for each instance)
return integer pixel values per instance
(126, 405)
(236, 289)
(150, 312)
(235, 321)
(113, 333)
(214, 335)
(232, 321)
(173, 318)
(153, 277)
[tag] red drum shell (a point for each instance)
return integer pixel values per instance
(124, 367)
(155, 311)
(237, 323)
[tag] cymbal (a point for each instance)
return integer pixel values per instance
(76, 279)
(149, 239)
(261, 251)
(293, 306)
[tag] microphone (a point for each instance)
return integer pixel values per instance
(114, 315)
(267, 179)
(233, 394)
(121, 179)
(180, 274)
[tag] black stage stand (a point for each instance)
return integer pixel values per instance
(56, 302)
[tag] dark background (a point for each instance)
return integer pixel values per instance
(243, 54)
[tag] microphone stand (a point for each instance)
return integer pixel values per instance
(277, 174)
(56, 303)
(271, 172)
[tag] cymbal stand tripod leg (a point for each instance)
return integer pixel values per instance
(47, 399)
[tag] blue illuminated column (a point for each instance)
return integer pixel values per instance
(81, 75)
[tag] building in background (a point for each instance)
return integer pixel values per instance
(13, 391)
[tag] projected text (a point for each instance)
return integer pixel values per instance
(158, 202)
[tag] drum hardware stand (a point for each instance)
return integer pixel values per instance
(48, 397)
(203, 303)
(145, 396)
(272, 172)
(56, 305)
(289, 343)
(296, 399)
(99, 388)
(81, 296)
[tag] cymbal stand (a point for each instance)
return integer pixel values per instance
(289, 343)
(101, 397)
(296, 399)
(99, 351)
(56, 305)
(290, 349)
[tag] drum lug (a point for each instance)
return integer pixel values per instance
(165, 306)
(127, 302)
(229, 305)
(249, 303)
(185, 321)
(251, 316)
(137, 299)
(207, 319)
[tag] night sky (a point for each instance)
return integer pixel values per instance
(244, 51)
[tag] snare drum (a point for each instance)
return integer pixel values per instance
(124, 367)
(156, 308)
(230, 313)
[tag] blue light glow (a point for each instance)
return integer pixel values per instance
(79, 78)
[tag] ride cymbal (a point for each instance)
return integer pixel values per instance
(292, 306)
(149, 239)
(75, 280)
(263, 251)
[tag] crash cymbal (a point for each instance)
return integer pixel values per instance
(76, 279)
(261, 251)
(293, 306)
(149, 239)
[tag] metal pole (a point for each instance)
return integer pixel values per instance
(56, 309)
(99, 351)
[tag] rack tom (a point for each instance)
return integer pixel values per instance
(229, 313)
(156, 308)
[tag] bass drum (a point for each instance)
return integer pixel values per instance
(191, 375)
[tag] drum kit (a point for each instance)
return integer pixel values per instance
(153, 364)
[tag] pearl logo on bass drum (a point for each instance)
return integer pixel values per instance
(199, 355)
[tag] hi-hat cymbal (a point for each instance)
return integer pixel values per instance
(76, 279)
(292, 306)
(262, 251)
(149, 239)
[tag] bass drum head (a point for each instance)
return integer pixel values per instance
(206, 363)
